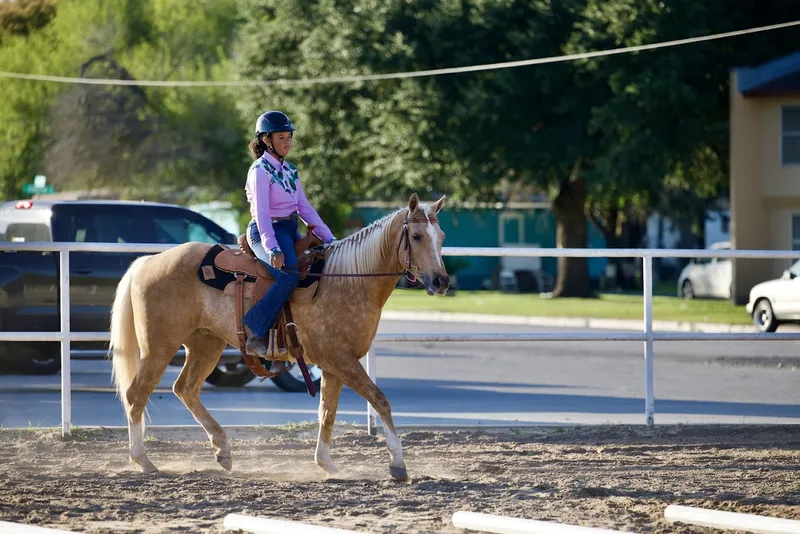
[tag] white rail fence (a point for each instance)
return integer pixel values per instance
(648, 336)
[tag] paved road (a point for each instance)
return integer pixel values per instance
(475, 384)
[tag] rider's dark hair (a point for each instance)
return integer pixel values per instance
(257, 147)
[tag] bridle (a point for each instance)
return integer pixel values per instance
(407, 271)
(407, 268)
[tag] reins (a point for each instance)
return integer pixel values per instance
(406, 272)
(343, 275)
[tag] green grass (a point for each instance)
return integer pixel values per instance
(606, 306)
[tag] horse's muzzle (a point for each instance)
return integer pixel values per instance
(438, 284)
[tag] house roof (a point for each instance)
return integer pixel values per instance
(776, 77)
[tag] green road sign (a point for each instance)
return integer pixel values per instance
(31, 189)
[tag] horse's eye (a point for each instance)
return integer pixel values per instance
(417, 237)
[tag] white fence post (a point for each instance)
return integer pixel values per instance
(372, 423)
(647, 282)
(66, 374)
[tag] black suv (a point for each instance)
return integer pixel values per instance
(29, 280)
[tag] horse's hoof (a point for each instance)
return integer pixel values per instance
(400, 474)
(329, 469)
(225, 461)
(149, 468)
(145, 464)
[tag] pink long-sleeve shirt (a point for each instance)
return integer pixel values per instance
(274, 190)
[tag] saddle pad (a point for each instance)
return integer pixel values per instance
(211, 276)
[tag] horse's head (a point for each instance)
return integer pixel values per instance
(421, 249)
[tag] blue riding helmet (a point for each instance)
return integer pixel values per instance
(273, 121)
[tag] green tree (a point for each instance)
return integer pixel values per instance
(664, 127)
(28, 43)
(151, 142)
(335, 141)
(461, 134)
(23, 16)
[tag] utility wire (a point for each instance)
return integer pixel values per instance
(394, 75)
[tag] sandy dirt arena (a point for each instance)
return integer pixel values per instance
(610, 477)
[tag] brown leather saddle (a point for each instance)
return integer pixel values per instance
(251, 281)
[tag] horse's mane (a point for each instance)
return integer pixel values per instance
(364, 251)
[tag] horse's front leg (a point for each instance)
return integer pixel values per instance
(349, 370)
(328, 404)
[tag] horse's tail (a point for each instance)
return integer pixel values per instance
(124, 346)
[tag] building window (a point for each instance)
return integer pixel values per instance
(790, 135)
(725, 223)
(512, 229)
(796, 232)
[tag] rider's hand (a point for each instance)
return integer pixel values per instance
(276, 260)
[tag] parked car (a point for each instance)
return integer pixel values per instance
(707, 277)
(774, 302)
(29, 280)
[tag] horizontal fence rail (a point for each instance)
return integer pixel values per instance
(65, 336)
(150, 248)
(619, 252)
(589, 336)
(487, 337)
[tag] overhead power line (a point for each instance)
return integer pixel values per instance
(394, 75)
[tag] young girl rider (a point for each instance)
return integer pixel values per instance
(276, 201)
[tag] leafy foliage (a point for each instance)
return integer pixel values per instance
(149, 142)
(663, 130)
(612, 137)
(23, 16)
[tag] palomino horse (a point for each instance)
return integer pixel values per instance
(161, 304)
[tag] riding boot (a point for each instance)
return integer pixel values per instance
(256, 346)
(259, 346)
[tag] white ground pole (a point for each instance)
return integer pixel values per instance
(262, 525)
(500, 524)
(18, 528)
(730, 520)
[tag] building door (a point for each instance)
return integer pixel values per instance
(519, 273)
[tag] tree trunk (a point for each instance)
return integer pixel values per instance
(701, 228)
(569, 209)
(615, 239)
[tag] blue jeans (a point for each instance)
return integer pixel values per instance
(263, 315)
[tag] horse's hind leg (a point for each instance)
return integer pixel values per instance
(150, 369)
(356, 378)
(202, 354)
(328, 404)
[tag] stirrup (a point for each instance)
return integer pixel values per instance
(273, 351)
(279, 366)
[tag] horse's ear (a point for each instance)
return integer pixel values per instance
(413, 203)
(439, 204)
